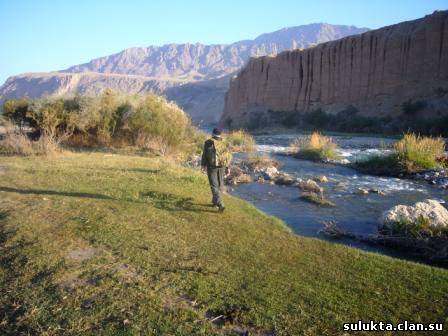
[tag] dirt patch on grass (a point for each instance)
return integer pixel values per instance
(81, 255)
(126, 271)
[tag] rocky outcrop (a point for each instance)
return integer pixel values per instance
(373, 73)
(195, 76)
(430, 211)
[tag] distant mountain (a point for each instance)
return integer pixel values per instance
(167, 69)
(195, 62)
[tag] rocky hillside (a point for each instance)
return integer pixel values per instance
(34, 85)
(376, 73)
(165, 69)
(199, 61)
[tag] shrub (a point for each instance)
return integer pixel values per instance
(411, 108)
(240, 141)
(16, 110)
(384, 165)
(154, 123)
(315, 147)
(317, 118)
(18, 143)
(52, 119)
(412, 154)
(417, 153)
(144, 122)
(420, 228)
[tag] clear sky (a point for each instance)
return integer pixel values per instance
(45, 35)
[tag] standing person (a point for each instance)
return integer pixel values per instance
(216, 159)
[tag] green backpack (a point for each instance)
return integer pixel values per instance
(223, 154)
(217, 154)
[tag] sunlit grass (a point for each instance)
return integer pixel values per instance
(240, 141)
(315, 147)
(411, 154)
(101, 244)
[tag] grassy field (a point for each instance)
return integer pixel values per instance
(95, 244)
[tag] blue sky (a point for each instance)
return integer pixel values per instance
(45, 35)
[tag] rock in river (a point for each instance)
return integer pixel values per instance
(284, 179)
(432, 210)
(321, 179)
(310, 185)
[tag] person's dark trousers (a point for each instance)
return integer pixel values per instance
(216, 180)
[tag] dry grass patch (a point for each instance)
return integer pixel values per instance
(240, 141)
(315, 147)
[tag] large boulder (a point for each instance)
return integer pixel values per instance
(431, 210)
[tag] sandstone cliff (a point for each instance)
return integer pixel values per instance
(375, 72)
(166, 69)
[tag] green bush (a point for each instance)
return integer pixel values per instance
(411, 108)
(147, 122)
(52, 118)
(411, 154)
(16, 111)
(418, 153)
(315, 147)
(240, 141)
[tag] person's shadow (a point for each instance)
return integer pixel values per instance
(54, 192)
(171, 202)
(160, 200)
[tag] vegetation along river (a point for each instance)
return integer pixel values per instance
(354, 212)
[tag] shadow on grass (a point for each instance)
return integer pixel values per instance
(161, 200)
(171, 202)
(53, 192)
(132, 170)
(12, 262)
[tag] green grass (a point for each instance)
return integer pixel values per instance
(383, 165)
(94, 244)
(240, 141)
(315, 147)
(412, 154)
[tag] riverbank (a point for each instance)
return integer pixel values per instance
(106, 244)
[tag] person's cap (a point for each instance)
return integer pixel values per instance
(216, 132)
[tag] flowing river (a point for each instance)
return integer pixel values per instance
(356, 213)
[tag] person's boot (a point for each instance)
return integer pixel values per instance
(221, 208)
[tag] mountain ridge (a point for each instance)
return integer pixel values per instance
(165, 69)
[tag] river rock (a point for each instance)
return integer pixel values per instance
(316, 198)
(436, 213)
(237, 176)
(362, 191)
(310, 185)
(269, 173)
(284, 179)
(341, 187)
(321, 179)
(377, 191)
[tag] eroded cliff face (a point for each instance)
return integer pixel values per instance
(375, 72)
(195, 76)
